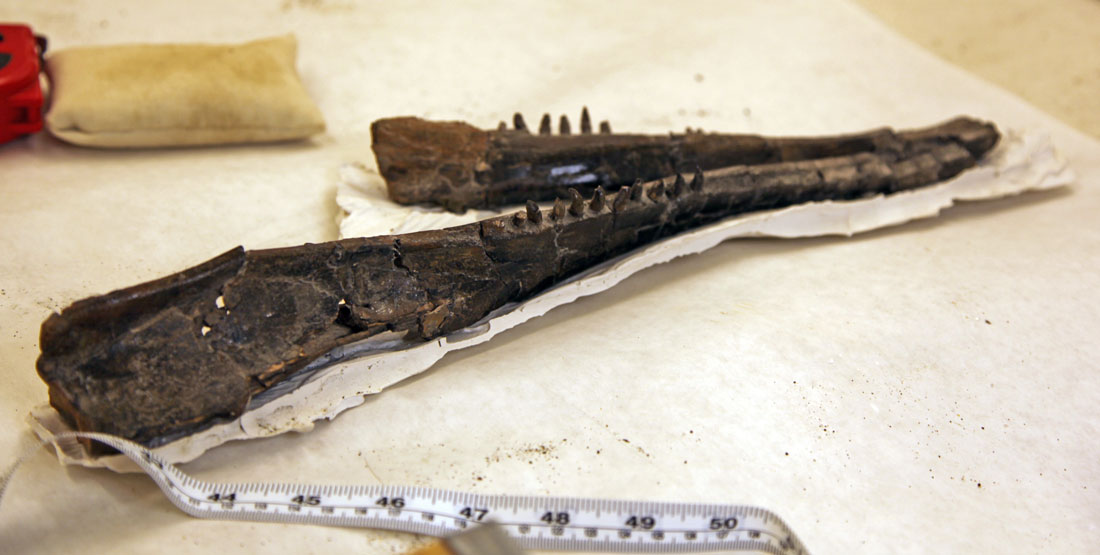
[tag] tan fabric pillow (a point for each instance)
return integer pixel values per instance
(180, 94)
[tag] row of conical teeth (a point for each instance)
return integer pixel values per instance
(576, 204)
(563, 124)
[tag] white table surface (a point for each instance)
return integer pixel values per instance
(862, 388)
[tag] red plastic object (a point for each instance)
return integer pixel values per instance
(20, 90)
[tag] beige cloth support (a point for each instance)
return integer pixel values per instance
(145, 95)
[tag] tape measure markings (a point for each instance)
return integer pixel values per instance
(534, 522)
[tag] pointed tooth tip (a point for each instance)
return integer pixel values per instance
(621, 198)
(586, 121)
(598, 200)
(697, 179)
(558, 212)
(544, 125)
(678, 185)
(534, 214)
(576, 205)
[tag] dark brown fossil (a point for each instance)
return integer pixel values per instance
(459, 166)
(173, 356)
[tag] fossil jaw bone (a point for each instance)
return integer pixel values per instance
(176, 355)
(458, 166)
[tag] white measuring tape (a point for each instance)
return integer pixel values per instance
(533, 522)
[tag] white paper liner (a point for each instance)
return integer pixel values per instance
(1021, 162)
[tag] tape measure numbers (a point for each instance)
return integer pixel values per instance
(533, 522)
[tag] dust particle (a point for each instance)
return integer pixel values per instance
(698, 77)
(540, 450)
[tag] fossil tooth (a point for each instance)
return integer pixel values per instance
(586, 122)
(605, 127)
(544, 125)
(598, 200)
(502, 126)
(563, 125)
(636, 190)
(678, 186)
(517, 120)
(533, 212)
(697, 179)
(138, 363)
(621, 199)
(576, 202)
(558, 212)
(656, 191)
